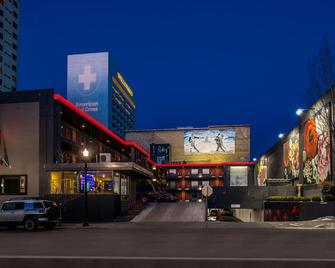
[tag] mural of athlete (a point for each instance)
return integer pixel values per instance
(219, 143)
(191, 140)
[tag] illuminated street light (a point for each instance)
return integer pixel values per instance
(254, 159)
(85, 153)
(281, 135)
(300, 111)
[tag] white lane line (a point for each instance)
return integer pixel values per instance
(165, 258)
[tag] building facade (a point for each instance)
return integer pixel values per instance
(9, 42)
(303, 157)
(41, 143)
(190, 158)
(96, 86)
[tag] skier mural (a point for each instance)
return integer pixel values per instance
(209, 141)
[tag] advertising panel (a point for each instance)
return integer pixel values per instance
(238, 176)
(87, 84)
(160, 153)
(209, 141)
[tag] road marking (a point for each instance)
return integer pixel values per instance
(166, 258)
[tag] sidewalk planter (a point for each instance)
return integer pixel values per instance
(297, 210)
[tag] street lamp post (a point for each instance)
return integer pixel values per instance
(85, 155)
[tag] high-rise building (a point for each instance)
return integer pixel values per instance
(9, 32)
(96, 86)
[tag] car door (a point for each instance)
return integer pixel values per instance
(7, 212)
(18, 214)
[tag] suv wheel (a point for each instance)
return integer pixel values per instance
(30, 224)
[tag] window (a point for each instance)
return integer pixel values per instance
(14, 46)
(8, 206)
(194, 171)
(37, 205)
(194, 184)
(172, 184)
(173, 171)
(15, 25)
(13, 185)
(205, 171)
(205, 183)
(19, 205)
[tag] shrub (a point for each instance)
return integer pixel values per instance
(316, 198)
(288, 198)
(328, 197)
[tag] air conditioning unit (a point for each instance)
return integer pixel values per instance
(104, 157)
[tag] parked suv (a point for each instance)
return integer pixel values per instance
(31, 213)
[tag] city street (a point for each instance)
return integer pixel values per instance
(168, 245)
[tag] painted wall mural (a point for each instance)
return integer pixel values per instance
(291, 155)
(209, 141)
(316, 151)
(262, 168)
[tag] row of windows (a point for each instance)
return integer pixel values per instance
(196, 171)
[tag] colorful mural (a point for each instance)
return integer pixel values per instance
(291, 155)
(316, 152)
(262, 171)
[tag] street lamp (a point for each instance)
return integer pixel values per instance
(300, 111)
(85, 156)
(281, 135)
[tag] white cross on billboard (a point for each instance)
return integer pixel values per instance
(87, 77)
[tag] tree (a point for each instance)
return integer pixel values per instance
(321, 72)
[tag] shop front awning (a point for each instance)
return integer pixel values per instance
(126, 167)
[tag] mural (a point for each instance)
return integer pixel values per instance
(262, 168)
(291, 155)
(209, 141)
(316, 152)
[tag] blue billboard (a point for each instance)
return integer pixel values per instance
(87, 84)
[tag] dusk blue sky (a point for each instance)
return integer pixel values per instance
(190, 63)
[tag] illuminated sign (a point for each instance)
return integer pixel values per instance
(87, 84)
(123, 82)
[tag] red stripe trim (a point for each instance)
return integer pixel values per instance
(96, 123)
(208, 164)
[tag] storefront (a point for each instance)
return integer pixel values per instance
(42, 136)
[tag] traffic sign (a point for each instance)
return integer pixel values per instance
(207, 191)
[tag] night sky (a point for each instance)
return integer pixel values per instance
(190, 63)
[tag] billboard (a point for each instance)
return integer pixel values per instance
(238, 176)
(87, 84)
(219, 141)
(160, 153)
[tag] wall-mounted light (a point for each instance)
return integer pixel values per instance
(300, 111)
(281, 135)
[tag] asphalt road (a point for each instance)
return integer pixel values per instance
(172, 212)
(168, 245)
